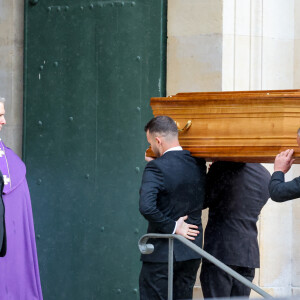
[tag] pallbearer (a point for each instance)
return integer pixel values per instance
(235, 195)
(280, 190)
(173, 186)
(19, 271)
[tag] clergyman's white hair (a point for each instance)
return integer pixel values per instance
(2, 100)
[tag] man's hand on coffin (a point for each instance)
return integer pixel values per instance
(284, 161)
(189, 231)
(148, 158)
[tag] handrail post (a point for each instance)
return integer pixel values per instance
(170, 269)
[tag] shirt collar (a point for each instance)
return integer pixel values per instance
(177, 148)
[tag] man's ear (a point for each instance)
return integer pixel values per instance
(158, 140)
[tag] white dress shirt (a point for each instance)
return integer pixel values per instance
(177, 148)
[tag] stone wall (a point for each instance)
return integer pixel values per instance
(194, 55)
(11, 70)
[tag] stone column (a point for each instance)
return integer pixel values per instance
(258, 53)
(11, 70)
(244, 45)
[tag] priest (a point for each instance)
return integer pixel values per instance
(19, 271)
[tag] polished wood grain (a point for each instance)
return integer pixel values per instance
(249, 126)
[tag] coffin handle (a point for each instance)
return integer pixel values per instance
(186, 127)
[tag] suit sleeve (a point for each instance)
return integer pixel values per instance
(281, 191)
(264, 181)
(152, 186)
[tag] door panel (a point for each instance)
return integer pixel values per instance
(90, 70)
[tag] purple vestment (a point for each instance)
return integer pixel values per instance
(19, 270)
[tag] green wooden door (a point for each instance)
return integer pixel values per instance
(90, 70)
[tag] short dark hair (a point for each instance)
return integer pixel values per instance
(163, 125)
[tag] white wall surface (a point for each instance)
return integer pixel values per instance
(194, 55)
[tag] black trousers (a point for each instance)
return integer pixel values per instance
(217, 283)
(154, 280)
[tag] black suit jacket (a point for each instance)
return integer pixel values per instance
(281, 191)
(235, 195)
(173, 186)
(2, 220)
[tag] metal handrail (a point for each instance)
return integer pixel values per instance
(149, 248)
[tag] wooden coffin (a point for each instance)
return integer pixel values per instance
(246, 126)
